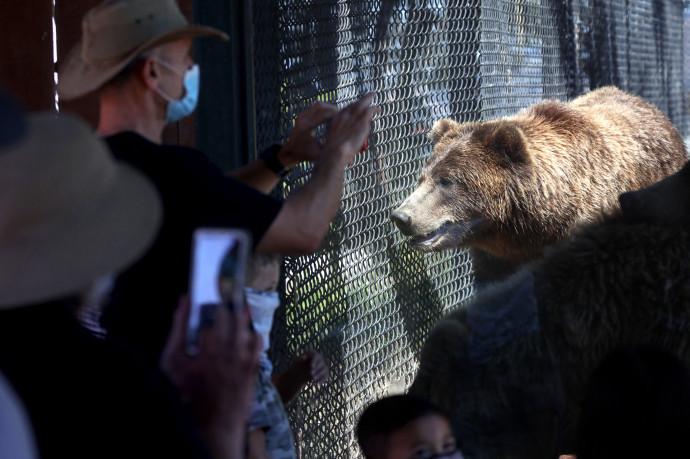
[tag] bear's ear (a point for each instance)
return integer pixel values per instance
(506, 139)
(440, 128)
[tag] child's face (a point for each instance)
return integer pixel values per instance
(422, 438)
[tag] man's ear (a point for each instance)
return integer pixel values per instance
(148, 72)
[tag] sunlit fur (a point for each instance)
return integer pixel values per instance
(530, 178)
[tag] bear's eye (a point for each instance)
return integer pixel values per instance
(445, 181)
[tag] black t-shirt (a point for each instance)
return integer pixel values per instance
(195, 193)
(87, 397)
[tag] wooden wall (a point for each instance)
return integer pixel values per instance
(26, 58)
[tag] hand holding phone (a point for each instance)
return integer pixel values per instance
(219, 259)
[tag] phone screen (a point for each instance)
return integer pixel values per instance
(219, 259)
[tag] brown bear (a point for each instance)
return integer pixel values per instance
(511, 365)
(507, 188)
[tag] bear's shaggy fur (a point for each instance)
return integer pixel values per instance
(511, 365)
(512, 186)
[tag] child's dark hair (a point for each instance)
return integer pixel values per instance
(387, 415)
(258, 261)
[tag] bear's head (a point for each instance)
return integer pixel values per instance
(466, 194)
(666, 202)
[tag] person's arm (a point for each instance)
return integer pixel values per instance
(301, 146)
(256, 445)
(217, 383)
(256, 175)
(305, 216)
(309, 366)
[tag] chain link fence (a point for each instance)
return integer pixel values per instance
(365, 299)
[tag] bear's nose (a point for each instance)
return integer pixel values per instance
(402, 220)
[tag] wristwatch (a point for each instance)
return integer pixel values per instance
(272, 162)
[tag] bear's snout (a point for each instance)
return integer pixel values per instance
(403, 221)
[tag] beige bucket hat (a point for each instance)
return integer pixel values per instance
(69, 213)
(117, 31)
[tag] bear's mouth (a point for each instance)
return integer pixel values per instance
(430, 238)
(454, 232)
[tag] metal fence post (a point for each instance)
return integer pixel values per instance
(225, 122)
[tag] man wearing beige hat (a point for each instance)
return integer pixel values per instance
(135, 53)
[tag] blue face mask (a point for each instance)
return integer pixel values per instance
(179, 108)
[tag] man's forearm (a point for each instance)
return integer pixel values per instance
(304, 219)
(256, 175)
(263, 176)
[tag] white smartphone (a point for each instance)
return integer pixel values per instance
(217, 277)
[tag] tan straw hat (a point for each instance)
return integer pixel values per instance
(69, 213)
(117, 31)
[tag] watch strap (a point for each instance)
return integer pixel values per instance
(272, 162)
